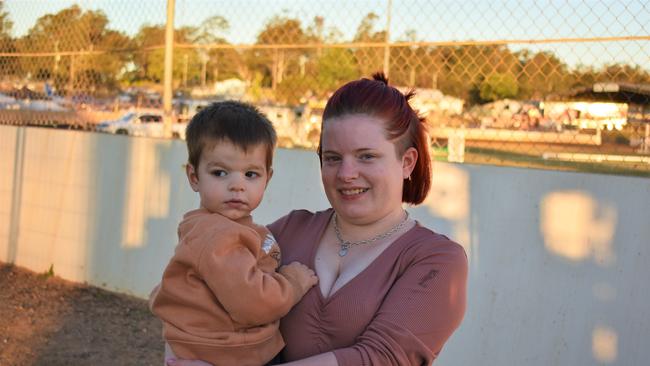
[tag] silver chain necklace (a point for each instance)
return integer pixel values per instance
(346, 244)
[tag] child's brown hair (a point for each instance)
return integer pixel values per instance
(238, 122)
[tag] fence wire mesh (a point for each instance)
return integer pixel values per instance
(556, 84)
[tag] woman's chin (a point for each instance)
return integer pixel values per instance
(353, 214)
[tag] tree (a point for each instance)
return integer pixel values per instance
(461, 71)
(370, 59)
(414, 66)
(8, 65)
(83, 32)
(459, 75)
(315, 33)
(319, 70)
(149, 61)
(5, 23)
(623, 73)
(335, 67)
(279, 63)
(498, 86)
(225, 63)
(541, 74)
(327, 68)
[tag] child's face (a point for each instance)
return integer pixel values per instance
(229, 181)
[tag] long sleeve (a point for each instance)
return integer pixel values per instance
(420, 312)
(249, 295)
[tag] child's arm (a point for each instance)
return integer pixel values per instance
(250, 295)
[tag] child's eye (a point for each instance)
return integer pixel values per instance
(251, 174)
(219, 173)
(367, 156)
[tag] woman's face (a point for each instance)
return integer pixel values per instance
(361, 172)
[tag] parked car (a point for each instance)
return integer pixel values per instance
(148, 123)
(185, 109)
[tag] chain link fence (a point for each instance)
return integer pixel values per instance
(559, 84)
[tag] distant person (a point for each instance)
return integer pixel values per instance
(220, 298)
(390, 291)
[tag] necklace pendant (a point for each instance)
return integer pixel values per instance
(344, 250)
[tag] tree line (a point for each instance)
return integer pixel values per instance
(76, 51)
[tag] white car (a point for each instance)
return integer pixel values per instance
(141, 123)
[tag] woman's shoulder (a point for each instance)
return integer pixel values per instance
(298, 219)
(424, 242)
(304, 214)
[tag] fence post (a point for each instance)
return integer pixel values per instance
(387, 40)
(169, 64)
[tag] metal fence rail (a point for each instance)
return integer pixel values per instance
(559, 85)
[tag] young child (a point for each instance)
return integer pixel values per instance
(220, 298)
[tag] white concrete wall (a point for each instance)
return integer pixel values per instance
(559, 262)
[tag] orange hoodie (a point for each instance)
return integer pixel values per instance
(220, 298)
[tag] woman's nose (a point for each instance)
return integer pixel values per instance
(347, 170)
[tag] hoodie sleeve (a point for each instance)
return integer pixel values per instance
(249, 295)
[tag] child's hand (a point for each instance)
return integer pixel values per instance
(301, 275)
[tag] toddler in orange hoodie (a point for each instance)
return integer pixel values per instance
(221, 298)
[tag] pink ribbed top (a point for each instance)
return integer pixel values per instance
(400, 310)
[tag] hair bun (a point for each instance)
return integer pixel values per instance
(380, 76)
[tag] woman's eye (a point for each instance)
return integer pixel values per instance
(252, 174)
(219, 173)
(331, 159)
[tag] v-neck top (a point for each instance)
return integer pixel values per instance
(400, 310)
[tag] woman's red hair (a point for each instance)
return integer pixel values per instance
(402, 123)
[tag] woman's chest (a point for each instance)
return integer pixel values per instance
(336, 270)
(318, 324)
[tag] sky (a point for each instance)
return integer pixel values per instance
(432, 20)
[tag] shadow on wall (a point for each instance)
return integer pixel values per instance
(578, 228)
(138, 210)
(14, 141)
(556, 261)
(98, 208)
(50, 202)
(595, 249)
(146, 194)
(449, 202)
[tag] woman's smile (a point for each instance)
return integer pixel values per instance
(350, 192)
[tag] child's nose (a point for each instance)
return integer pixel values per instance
(236, 185)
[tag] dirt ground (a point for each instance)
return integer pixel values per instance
(45, 320)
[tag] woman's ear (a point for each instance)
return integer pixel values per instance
(192, 177)
(409, 158)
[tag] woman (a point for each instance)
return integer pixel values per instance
(390, 291)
